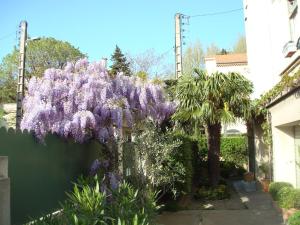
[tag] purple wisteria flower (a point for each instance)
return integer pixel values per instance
(83, 101)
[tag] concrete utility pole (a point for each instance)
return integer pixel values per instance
(21, 74)
(178, 45)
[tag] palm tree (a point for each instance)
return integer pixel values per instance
(211, 100)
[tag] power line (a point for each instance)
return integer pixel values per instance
(7, 36)
(216, 13)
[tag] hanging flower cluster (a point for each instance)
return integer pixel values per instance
(83, 101)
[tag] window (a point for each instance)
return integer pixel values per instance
(292, 10)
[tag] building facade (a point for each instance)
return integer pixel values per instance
(272, 35)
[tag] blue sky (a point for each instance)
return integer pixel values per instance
(96, 26)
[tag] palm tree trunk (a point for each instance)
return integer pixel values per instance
(213, 143)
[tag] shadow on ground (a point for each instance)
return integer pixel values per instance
(243, 208)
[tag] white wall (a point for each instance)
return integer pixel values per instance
(284, 116)
(210, 65)
(259, 44)
(267, 31)
(242, 69)
(284, 155)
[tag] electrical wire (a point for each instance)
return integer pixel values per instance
(7, 36)
(216, 13)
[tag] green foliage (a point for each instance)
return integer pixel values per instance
(120, 63)
(40, 55)
(233, 149)
(288, 197)
(240, 46)
(184, 154)
(193, 57)
(213, 193)
(141, 74)
(8, 90)
(209, 100)
(259, 110)
(212, 50)
(285, 197)
(88, 205)
(294, 219)
(1, 113)
(267, 132)
(8, 74)
(159, 151)
(265, 169)
(49, 53)
(231, 169)
(275, 187)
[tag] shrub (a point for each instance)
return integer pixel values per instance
(294, 219)
(286, 197)
(89, 205)
(230, 169)
(184, 155)
(233, 149)
(166, 158)
(275, 187)
(297, 198)
(210, 193)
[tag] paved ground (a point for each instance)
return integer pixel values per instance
(255, 208)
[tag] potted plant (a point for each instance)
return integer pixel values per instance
(265, 181)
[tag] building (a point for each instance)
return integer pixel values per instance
(272, 35)
(225, 64)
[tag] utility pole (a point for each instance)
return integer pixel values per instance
(21, 74)
(178, 45)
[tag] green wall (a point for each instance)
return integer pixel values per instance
(41, 173)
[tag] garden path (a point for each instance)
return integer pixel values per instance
(254, 208)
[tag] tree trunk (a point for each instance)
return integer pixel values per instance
(213, 144)
(251, 146)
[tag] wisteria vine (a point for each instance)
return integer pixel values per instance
(84, 101)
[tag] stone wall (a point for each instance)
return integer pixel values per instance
(9, 118)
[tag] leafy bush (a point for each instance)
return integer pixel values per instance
(89, 205)
(184, 155)
(275, 187)
(168, 160)
(233, 149)
(294, 219)
(210, 193)
(230, 169)
(286, 197)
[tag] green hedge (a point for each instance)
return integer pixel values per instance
(294, 219)
(289, 197)
(275, 187)
(285, 194)
(184, 154)
(233, 149)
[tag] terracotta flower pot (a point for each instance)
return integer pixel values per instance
(265, 183)
(249, 176)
